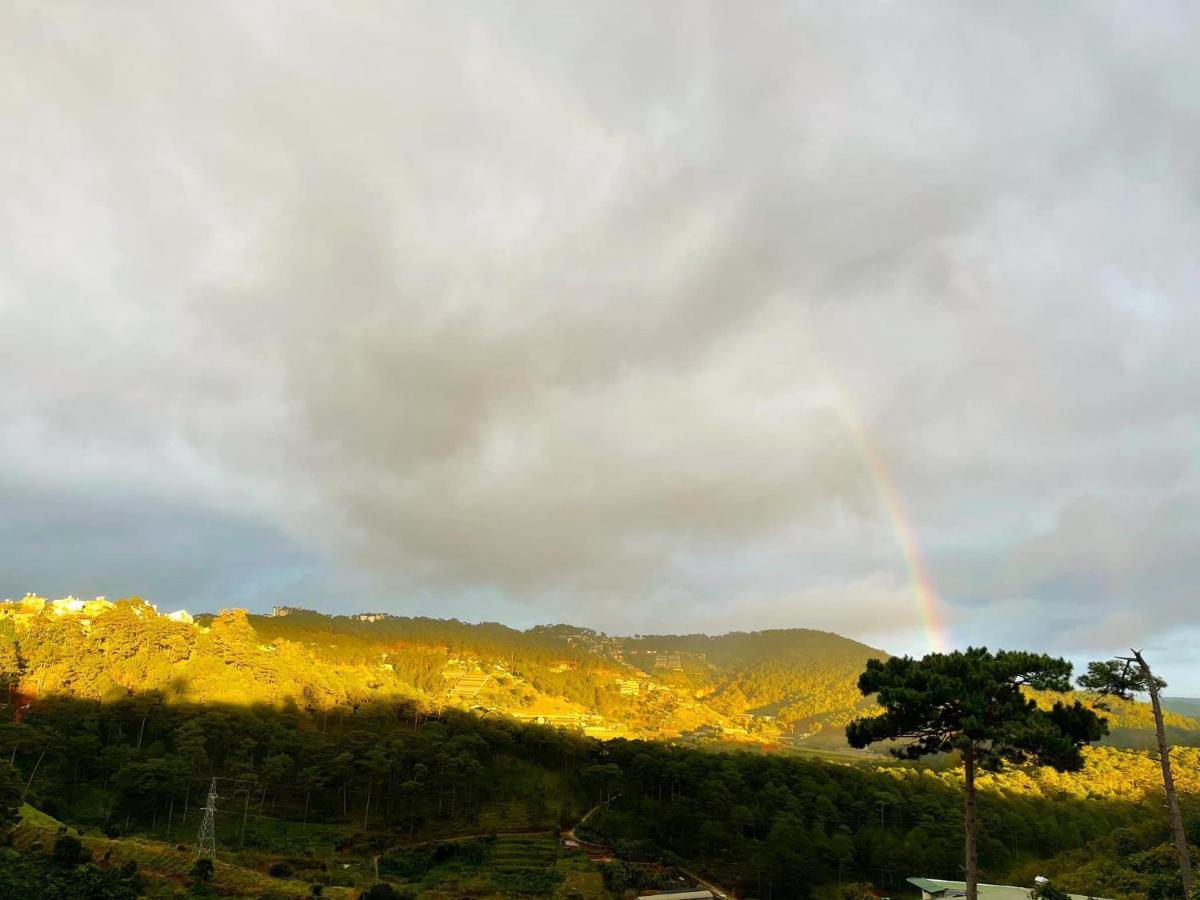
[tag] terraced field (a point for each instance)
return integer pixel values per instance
(526, 857)
(507, 865)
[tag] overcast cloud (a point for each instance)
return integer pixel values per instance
(568, 311)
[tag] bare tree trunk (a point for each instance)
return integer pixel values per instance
(1164, 758)
(307, 797)
(972, 826)
(33, 774)
(245, 814)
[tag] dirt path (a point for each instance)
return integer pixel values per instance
(471, 836)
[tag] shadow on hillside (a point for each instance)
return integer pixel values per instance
(353, 780)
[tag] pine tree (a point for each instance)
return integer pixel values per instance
(974, 703)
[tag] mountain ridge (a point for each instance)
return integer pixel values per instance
(775, 689)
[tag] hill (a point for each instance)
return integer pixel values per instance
(779, 687)
(345, 750)
(784, 689)
(1184, 706)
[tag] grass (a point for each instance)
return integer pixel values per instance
(163, 862)
(35, 818)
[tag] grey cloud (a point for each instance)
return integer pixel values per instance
(119, 544)
(551, 308)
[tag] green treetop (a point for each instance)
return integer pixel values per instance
(974, 702)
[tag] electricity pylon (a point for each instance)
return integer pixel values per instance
(206, 840)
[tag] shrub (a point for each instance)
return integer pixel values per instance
(202, 871)
(381, 891)
(68, 851)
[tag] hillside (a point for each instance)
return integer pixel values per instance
(777, 688)
(1184, 706)
(347, 750)
(785, 689)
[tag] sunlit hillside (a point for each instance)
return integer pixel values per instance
(336, 745)
(778, 690)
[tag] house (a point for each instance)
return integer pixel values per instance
(628, 687)
(67, 606)
(181, 615)
(371, 617)
(947, 890)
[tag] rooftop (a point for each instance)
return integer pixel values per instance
(937, 887)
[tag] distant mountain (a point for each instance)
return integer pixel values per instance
(1185, 706)
(776, 689)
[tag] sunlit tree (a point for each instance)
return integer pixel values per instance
(974, 703)
(1123, 678)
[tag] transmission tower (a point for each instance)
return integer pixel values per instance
(206, 840)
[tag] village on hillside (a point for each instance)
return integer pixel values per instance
(644, 704)
(31, 605)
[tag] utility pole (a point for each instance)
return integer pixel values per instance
(206, 840)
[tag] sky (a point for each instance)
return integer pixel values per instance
(646, 317)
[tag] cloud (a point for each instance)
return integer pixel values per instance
(558, 310)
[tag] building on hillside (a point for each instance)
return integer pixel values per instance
(371, 617)
(628, 687)
(181, 615)
(668, 661)
(939, 889)
(66, 606)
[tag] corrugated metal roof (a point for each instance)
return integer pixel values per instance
(943, 888)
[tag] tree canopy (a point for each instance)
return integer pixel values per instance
(976, 699)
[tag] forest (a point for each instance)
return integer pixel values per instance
(334, 775)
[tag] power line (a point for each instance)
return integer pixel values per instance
(206, 840)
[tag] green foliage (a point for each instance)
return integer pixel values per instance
(68, 851)
(858, 891)
(202, 870)
(326, 747)
(10, 799)
(33, 875)
(1117, 678)
(383, 891)
(975, 700)
(1047, 891)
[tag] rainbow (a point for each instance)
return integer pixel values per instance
(924, 593)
